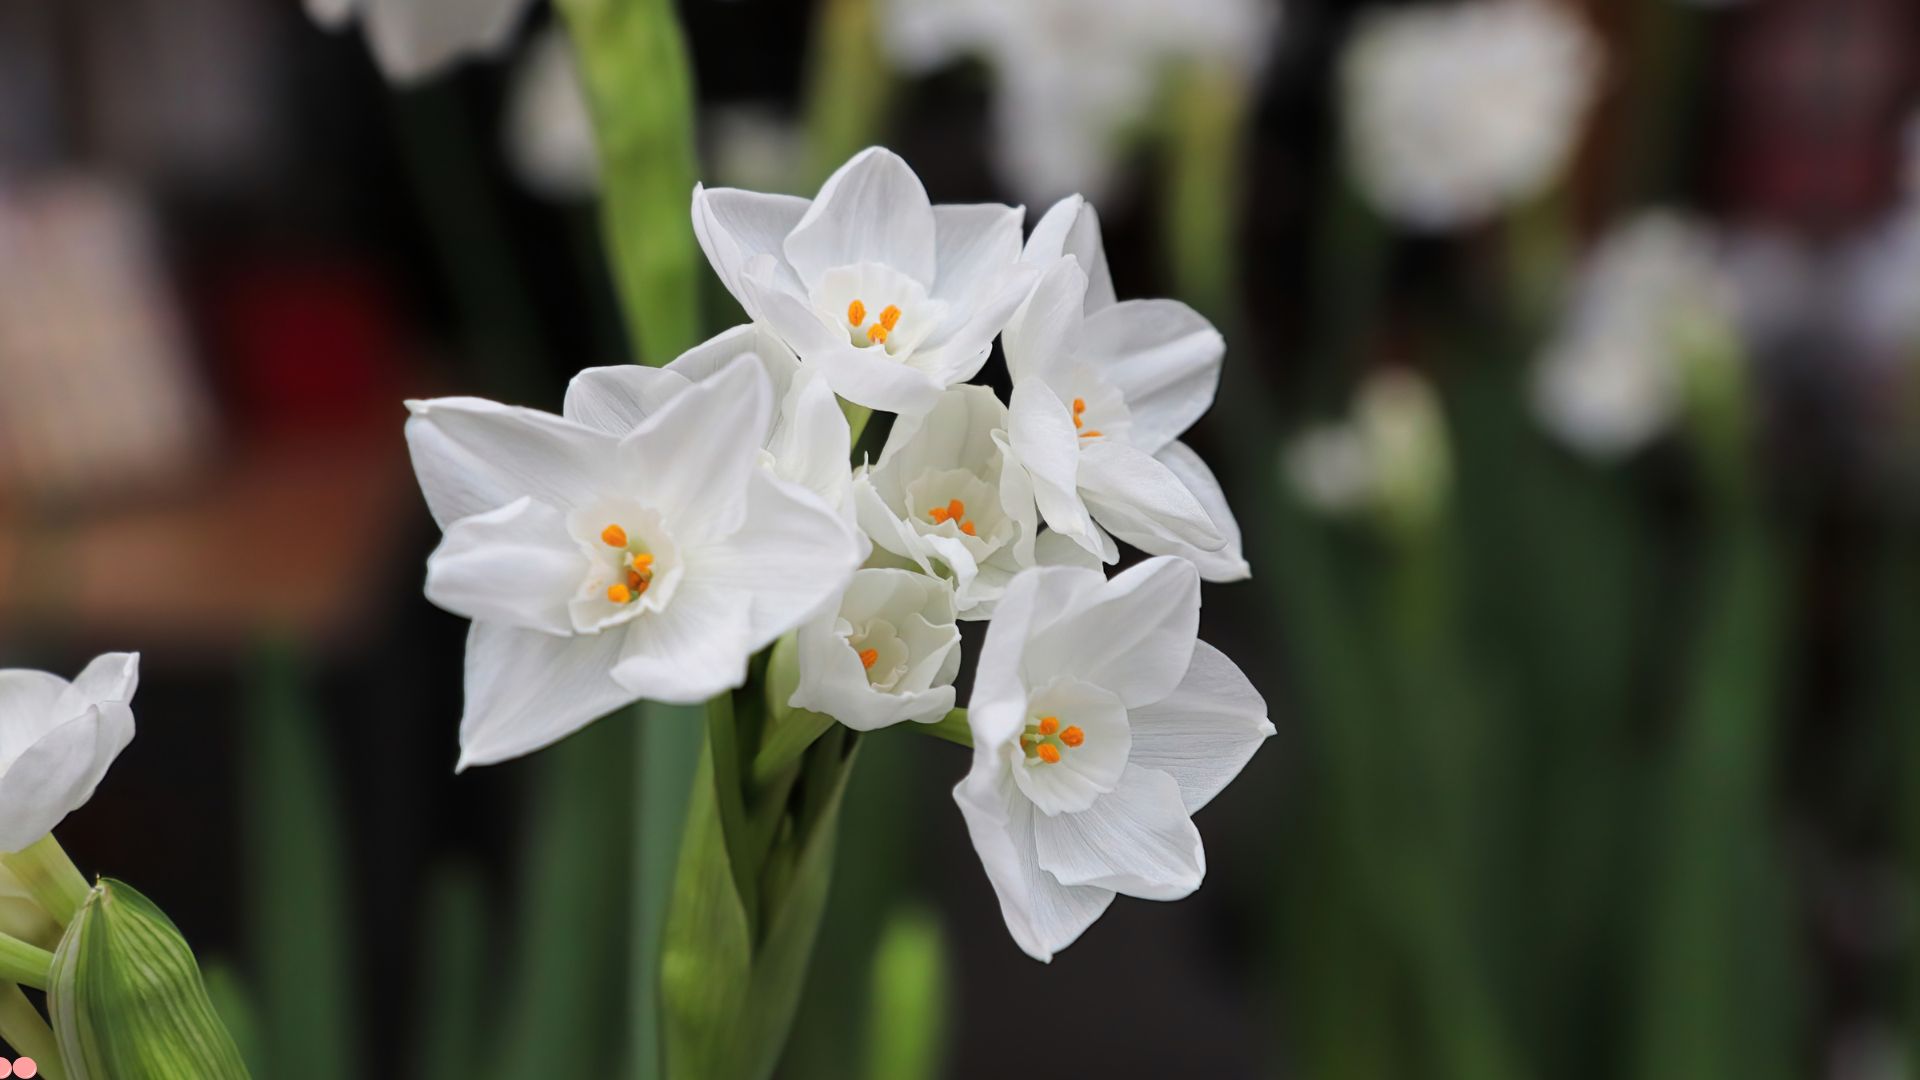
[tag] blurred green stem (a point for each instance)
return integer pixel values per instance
(24, 1029)
(1203, 151)
(848, 90)
(633, 57)
(29, 965)
(951, 727)
(50, 877)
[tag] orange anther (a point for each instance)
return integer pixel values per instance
(1079, 405)
(1073, 736)
(869, 657)
(856, 313)
(1090, 433)
(877, 334)
(1049, 725)
(614, 536)
(619, 594)
(642, 562)
(938, 514)
(635, 581)
(956, 509)
(1049, 753)
(1078, 420)
(967, 527)
(890, 317)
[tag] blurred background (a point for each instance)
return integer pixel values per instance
(1571, 412)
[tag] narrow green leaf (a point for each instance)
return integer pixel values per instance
(907, 1034)
(454, 977)
(127, 998)
(26, 1031)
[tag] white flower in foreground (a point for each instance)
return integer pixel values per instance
(548, 131)
(944, 498)
(415, 39)
(888, 654)
(889, 297)
(1101, 392)
(1072, 76)
(600, 569)
(57, 739)
(1100, 725)
(1651, 299)
(1456, 111)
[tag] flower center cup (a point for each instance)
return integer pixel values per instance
(1099, 409)
(882, 653)
(1073, 748)
(958, 503)
(632, 564)
(878, 307)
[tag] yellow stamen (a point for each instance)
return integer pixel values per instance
(619, 594)
(890, 317)
(856, 313)
(869, 657)
(1073, 736)
(1049, 725)
(614, 536)
(1049, 753)
(877, 334)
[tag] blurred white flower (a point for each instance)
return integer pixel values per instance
(1074, 75)
(752, 146)
(600, 569)
(1101, 392)
(414, 39)
(1879, 276)
(944, 498)
(57, 739)
(1329, 466)
(1455, 112)
(1100, 725)
(888, 654)
(889, 297)
(549, 130)
(1650, 298)
(1390, 459)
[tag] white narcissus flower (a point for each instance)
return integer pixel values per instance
(600, 569)
(886, 655)
(1102, 391)
(57, 739)
(889, 297)
(944, 498)
(1455, 112)
(1072, 76)
(1100, 725)
(1651, 298)
(415, 39)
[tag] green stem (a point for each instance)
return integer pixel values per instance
(951, 727)
(24, 1029)
(22, 963)
(847, 93)
(49, 877)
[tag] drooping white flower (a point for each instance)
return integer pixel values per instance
(57, 739)
(1100, 725)
(1101, 392)
(548, 133)
(888, 654)
(1455, 112)
(1649, 297)
(414, 39)
(1072, 76)
(600, 569)
(943, 497)
(889, 297)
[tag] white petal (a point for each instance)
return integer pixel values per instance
(58, 773)
(1142, 502)
(1204, 732)
(870, 377)
(1040, 427)
(872, 209)
(527, 690)
(1136, 840)
(787, 313)
(791, 556)
(691, 459)
(1041, 336)
(1133, 637)
(834, 683)
(711, 356)
(413, 39)
(30, 706)
(976, 246)
(1036, 598)
(615, 399)
(1164, 356)
(1229, 563)
(516, 566)
(1043, 915)
(735, 226)
(811, 443)
(472, 455)
(107, 677)
(698, 646)
(1071, 227)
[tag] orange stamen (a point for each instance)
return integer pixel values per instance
(1090, 433)
(1079, 405)
(967, 527)
(856, 313)
(869, 657)
(956, 509)
(1049, 753)
(619, 594)
(877, 334)
(643, 562)
(938, 514)
(614, 536)
(890, 317)
(1049, 725)
(635, 581)
(1073, 736)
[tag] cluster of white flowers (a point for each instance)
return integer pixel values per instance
(1073, 75)
(672, 522)
(1653, 297)
(1458, 111)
